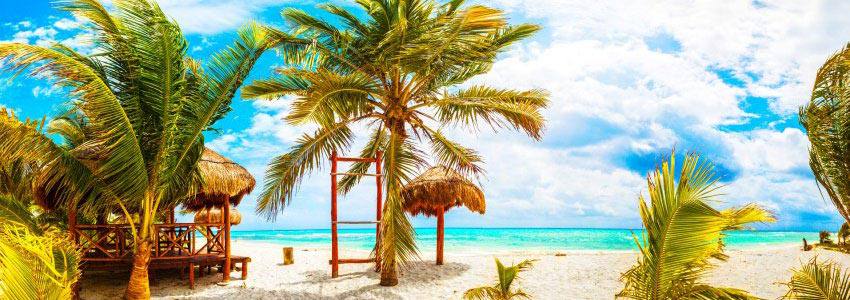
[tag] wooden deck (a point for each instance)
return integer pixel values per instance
(181, 246)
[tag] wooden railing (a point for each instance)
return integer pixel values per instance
(114, 242)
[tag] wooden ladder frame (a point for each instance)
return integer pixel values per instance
(335, 260)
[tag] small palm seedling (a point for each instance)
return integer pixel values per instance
(502, 289)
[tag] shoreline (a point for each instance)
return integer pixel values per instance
(578, 274)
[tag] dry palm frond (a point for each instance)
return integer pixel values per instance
(819, 281)
(214, 215)
(684, 234)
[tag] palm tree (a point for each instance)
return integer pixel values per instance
(821, 281)
(145, 105)
(396, 72)
(502, 289)
(34, 263)
(684, 234)
(825, 120)
(843, 233)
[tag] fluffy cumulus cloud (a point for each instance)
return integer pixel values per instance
(630, 81)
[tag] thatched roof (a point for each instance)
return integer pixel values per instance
(223, 179)
(441, 187)
(213, 215)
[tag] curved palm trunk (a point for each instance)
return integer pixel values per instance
(392, 208)
(139, 287)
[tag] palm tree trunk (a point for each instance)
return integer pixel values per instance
(139, 287)
(389, 276)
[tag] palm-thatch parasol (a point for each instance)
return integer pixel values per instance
(223, 180)
(437, 190)
(214, 215)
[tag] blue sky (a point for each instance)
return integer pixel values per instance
(629, 81)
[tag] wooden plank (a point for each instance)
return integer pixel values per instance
(355, 159)
(357, 222)
(357, 174)
(354, 260)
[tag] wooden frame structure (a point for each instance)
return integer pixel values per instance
(335, 260)
(176, 245)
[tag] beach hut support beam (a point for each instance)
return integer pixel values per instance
(440, 234)
(226, 219)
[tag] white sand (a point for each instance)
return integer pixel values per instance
(578, 275)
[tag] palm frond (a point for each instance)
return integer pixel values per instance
(683, 232)
(496, 107)
(822, 281)
(122, 162)
(35, 264)
(285, 172)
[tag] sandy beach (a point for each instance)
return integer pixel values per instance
(577, 275)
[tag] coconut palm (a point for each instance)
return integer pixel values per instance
(820, 281)
(843, 233)
(825, 120)
(34, 263)
(684, 234)
(396, 72)
(146, 105)
(502, 289)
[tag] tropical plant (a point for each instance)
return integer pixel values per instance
(684, 234)
(34, 263)
(843, 233)
(824, 119)
(145, 104)
(825, 237)
(819, 281)
(502, 289)
(395, 71)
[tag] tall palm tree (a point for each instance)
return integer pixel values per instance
(825, 119)
(819, 281)
(502, 289)
(683, 234)
(145, 104)
(395, 71)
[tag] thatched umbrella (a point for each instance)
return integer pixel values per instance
(223, 180)
(214, 215)
(437, 190)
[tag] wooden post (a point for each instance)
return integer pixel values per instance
(72, 222)
(226, 220)
(288, 257)
(334, 245)
(72, 234)
(440, 234)
(379, 208)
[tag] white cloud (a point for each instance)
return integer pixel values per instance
(210, 17)
(67, 24)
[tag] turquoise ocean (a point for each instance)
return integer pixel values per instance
(512, 238)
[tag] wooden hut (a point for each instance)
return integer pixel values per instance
(436, 191)
(106, 245)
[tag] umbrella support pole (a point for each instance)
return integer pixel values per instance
(335, 260)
